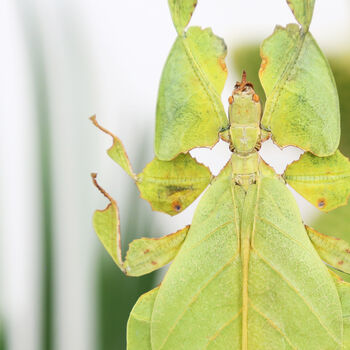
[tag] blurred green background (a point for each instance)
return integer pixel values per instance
(61, 62)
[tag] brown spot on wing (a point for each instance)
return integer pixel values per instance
(347, 250)
(321, 203)
(146, 251)
(341, 262)
(153, 262)
(176, 205)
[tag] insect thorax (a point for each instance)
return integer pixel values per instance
(245, 134)
(245, 168)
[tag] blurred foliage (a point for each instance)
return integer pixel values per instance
(341, 69)
(36, 57)
(247, 57)
(2, 338)
(116, 295)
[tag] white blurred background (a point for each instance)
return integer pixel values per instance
(62, 61)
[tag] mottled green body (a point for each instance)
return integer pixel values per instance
(246, 274)
(245, 135)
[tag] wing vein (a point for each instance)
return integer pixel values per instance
(279, 330)
(208, 235)
(285, 234)
(203, 79)
(223, 327)
(297, 292)
(195, 297)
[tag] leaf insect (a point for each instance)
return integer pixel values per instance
(247, 273)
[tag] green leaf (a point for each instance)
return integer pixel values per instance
(333, 251)
(172, 186)
(302, 107)
(325, 182)
(286, 308)
(144, 255)
(181, 12)
(116, 151)
(139, 323)
(189, 109)
(302, 10)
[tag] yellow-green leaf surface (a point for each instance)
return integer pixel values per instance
(335, 223)
(116, 151)
(145, 254)
(189, 109)
(171, 186)
(325, 182)
(344, 296)
(303, 10)
(203, 301)
(139, 323)
(148, 254)
(333, 251)
(302, 107)
(181, 12)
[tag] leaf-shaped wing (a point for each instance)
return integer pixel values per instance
(333, 251)
(181, 12)
(139, 323)
(189, 109)
(292, 298)
(303, 10)
(145, 254)
(171, 186)
(302, 106)
(286, 305)
(344, 296)
(325, 182)
(198, 305)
